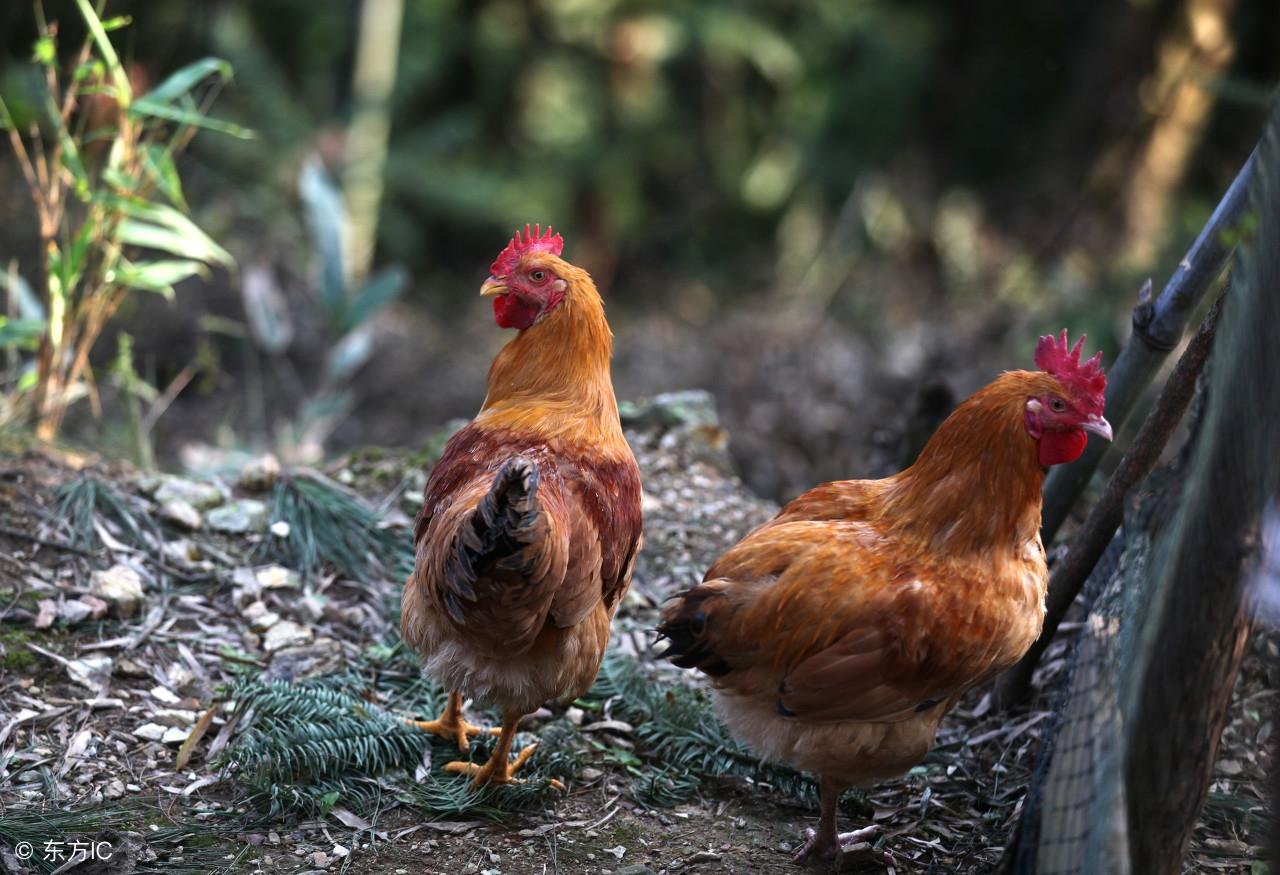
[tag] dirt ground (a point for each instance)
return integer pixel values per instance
(123, 714)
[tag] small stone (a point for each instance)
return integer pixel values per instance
(75, 611)
(284, 634)
(238, 517)
(200, 496)
(150, 731)
(175, 735)
(181, 551)
(280, 529)
(260, 474)
(176, 510)
(47, 613)
(260, 617)
(131, 668)
(177, 676)
(339, 851)
(91, 671)
(114, 789)
(320, 860)
(574, 715)
(120, 587)
(174, 717)
(278, 577)
(162, 694)
(589, 774)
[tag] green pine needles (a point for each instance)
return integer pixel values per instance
(331, 526)
(314, 744)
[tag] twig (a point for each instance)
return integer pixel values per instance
(1091, 541)
(1157, 327)
(45, 542)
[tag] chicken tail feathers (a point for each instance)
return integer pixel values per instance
(686, 623)
(497, 536)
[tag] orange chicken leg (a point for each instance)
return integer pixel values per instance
(450, 724)
(499, 769)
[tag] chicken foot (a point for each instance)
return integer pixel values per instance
(500, 768)
(450, 724)
(825, 843)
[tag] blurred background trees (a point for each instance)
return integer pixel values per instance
(832, 213)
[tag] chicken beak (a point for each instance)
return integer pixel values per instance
(1099, 426)
(493, 286)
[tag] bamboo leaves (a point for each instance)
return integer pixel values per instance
(132, 201)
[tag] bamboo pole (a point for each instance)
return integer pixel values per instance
(375, 75)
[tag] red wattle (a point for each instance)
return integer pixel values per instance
(1060, 447)
(510, 311)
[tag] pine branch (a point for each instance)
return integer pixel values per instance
(331, 527)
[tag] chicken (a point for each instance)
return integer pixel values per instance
(838, 634)
(531, 520)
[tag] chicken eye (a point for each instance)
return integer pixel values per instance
(1058, 405)
(538, 275)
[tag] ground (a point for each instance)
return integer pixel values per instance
(116, 719)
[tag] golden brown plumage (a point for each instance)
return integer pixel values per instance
(838, 634)
(531, 520)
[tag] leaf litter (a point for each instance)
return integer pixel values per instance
(233, 700)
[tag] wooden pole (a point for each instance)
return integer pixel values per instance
(1180, 680)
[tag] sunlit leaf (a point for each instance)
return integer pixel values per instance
(151, 236)
(194, 242)
(44, 51)
(159, 167)
(158, 276)
(187, 78)
(124, 91)
(20, 333)
(117, 22)
(148, 107)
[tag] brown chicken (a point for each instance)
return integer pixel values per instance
(531, 521)
(839, 633)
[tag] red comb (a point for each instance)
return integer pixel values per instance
(535, 240)
(1085, 380)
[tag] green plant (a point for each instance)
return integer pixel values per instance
(331, 526)
(314, 744)
(349, 304)
(99, 162)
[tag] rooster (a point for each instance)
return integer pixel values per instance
(839, 633)
(531, 520)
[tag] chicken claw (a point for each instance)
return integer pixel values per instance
(498, 769)
(828, 846)
(451, 725)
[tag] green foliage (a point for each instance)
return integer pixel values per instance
(314, 744)
(179, 847)
(87, 503)
(94, 192)
(677, 726)
(348, 304)
(330, 527)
